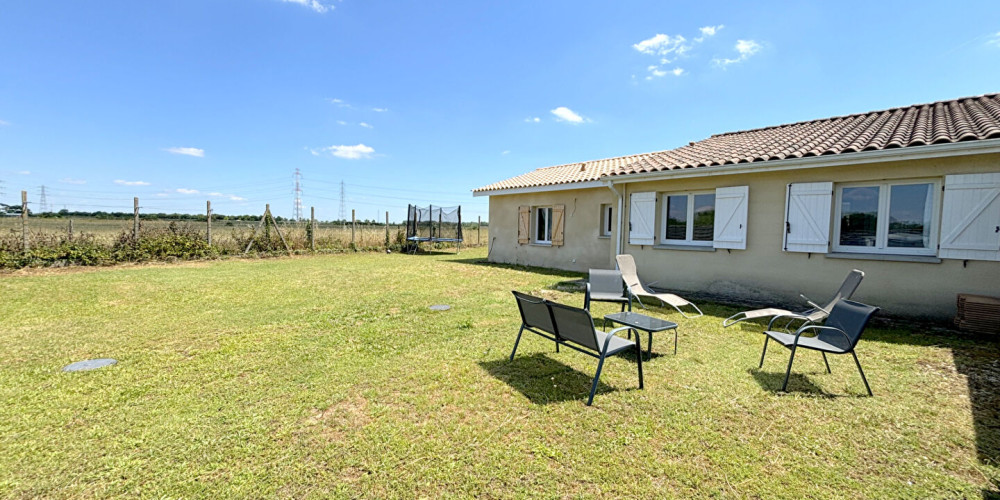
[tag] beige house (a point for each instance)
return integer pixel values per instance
(909, 195)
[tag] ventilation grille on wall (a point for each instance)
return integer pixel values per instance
(978, 313)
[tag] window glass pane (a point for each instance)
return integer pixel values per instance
(607, 224)
(548, 224)
(541, 225)
(704, 217)
(676, 217)
(909, 216)
(858, 216)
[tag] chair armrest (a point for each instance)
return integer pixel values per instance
(612, 333)
(586, 299)
(800, 331)
(792, 316)
(813, 304)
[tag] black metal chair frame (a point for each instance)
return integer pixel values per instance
(810, 328)
(554, 335)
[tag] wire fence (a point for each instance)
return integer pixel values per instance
(65, 238)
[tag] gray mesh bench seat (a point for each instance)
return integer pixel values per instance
(574, 328)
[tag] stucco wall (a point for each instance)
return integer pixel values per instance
(763, 271)
(583, 249)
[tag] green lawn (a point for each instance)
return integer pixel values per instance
(329, 376)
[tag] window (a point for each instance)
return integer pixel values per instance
(688, 219)
(543, 225)
(606, 220)
(887, 217)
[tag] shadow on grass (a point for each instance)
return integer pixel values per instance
(544, 380)
(797, 382)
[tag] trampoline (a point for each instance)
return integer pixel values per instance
(433, 224)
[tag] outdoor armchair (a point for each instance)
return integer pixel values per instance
(574, 328)
(637, 289)
(606, 285)
(812, 315)
(838, 335)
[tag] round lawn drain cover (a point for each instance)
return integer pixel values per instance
(90, 364)
(440, 307)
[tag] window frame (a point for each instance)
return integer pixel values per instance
(689, 228)
(548, 224)
(607, 217)
(882, 223)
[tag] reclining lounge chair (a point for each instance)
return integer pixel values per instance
(816, 313)
(637, 289)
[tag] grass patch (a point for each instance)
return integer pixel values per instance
(330, 376)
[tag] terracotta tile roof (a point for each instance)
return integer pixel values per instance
(958, 120)
(564, 174)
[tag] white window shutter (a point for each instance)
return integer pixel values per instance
(641, 216)
(970, 217)
(731, 217)
(807, 217)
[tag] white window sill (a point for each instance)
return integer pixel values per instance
(540, 244)
(695, 248)
(927, 259)
(604, 237)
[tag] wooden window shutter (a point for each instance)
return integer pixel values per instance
(731, 217)
(558, 216)
(641, 217)
(970, 217)
(807, 217)
(523, 225)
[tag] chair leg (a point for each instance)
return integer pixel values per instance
(788, 372)
(518, 341)
(862, 372)
(597, 378)
(639, 356)
(766, 339)
(557, 346)
(675, 341)
(649, 348)
(827, 363)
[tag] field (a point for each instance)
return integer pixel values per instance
(328, 375)
(225, 233)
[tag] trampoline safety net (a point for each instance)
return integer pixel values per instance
(434, 224)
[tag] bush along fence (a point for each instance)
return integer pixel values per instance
(55, 239)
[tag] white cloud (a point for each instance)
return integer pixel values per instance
(505, 152)
(365, 125)
(69, 180)
(199, 153)
(532, 119)
(340, 103)
(4, 123)
(187, 191)
(656, 72)
(23, 172)
(745, 48)
(993, 40)
(708, 31)
(215, 193)
(565, 114)
(347, 152)
(161, 195)
(661, 45)
(380, 110)
(677, 71)
(233, 197)
(312, 4)
(341, 122)
(131, 183)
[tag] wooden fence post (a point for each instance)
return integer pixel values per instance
(386, 229)
(208, 218)
(312, 228)
(479, 225)
(24, 221)
(353, 224)
(71, 230)
(135, 221)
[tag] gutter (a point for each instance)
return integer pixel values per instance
(618, 226)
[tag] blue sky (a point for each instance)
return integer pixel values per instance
(182, 101)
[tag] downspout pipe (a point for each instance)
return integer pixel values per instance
(621, 216)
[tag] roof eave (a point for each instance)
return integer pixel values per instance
(542, 189)
(985, 146)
